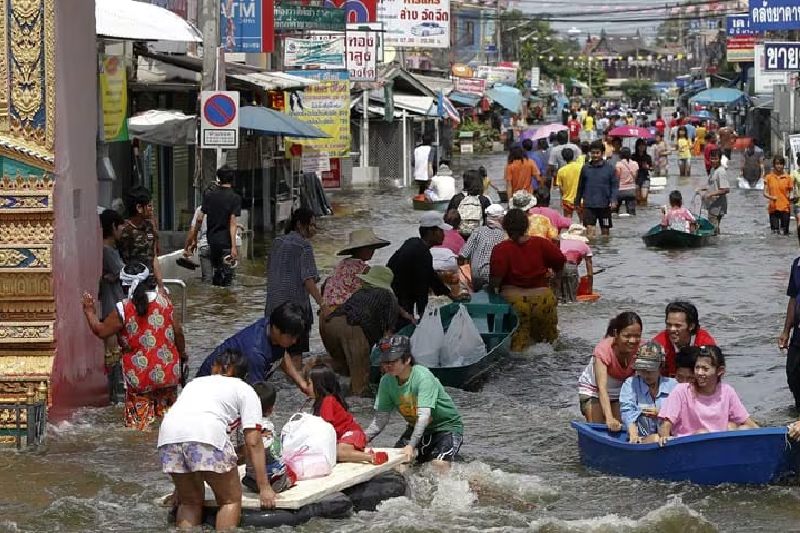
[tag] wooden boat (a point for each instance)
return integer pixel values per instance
(496, 322)
(659, 237)
(754, 456)
(425, 205)
(351, 487)
(744, 184)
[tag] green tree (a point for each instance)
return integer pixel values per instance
(636, 89)
(594, 75)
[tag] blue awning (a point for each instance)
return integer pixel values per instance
(720, 97)
(467, 99)
(507, 97)
(274, 123)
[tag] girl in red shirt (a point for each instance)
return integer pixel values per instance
(329, 404)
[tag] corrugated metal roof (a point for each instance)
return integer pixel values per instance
(138, 21)
(271, 81)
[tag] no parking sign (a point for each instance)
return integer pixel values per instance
(219, 120)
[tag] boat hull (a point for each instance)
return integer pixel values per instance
(659, 237)
(496, 322)
(423, 205)
(755, 456)
(744, 184)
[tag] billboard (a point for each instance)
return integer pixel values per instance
(247, 25)
(355, 10)
(409, 24)
(741, 38)
(324, 54)
(325, 105)
(775, 15)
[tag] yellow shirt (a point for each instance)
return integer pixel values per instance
(588, 124)
(684, 146)
(567, 180)
(700, 134)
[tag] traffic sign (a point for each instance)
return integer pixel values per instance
(219, 121)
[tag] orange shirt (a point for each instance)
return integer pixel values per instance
(519, 175)
(779, 187)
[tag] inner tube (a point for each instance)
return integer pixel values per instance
(367, 496)
(333, 506)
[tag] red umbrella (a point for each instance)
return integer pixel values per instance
(630, 131)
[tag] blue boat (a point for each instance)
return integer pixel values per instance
(755, 456)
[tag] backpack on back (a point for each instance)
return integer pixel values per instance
(471, 212)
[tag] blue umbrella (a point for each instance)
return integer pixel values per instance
(703, 115)
(720, 97)
(508, 97)
(270, 122)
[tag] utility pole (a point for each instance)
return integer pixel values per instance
(209, 16)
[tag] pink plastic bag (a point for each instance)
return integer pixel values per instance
(306, 464)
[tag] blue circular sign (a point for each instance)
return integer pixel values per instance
(219, 110)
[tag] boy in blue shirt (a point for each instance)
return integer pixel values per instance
(643, 394)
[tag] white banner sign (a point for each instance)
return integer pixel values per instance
(377, 29)
(320, 54)
(764, 81)
(361, 60)
(504, 75)
(535, 77)
(408, 24)
(794, 147)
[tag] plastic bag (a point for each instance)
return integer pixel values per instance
(428, 338)
(463, 344)
(308, 446)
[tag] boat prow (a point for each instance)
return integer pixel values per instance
(659, 237)
(755, 456)
(421, 204)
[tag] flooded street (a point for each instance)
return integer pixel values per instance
(522, 455)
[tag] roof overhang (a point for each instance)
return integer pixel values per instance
(138, 21)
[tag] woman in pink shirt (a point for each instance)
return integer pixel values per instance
(452, 238)
(678, 217)
(627, 171)
(706, 405)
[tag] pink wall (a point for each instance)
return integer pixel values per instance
(78, 378)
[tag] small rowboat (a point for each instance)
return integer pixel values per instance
(744, 184)
(659, 237)
(496, 321)
(754, 456)
(425, 205)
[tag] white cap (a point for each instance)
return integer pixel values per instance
(495, 210)
(432, 219)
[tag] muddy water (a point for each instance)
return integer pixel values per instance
(522, 456)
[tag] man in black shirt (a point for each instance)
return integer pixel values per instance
(412, 265)
(221, 205)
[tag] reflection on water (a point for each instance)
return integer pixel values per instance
(523, 472)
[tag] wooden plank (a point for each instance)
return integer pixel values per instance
(344, 475)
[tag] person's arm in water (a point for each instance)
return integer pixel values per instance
(257, 455)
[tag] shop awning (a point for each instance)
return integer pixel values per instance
(720, 97)
(164, 127)
(507, 97)
(274, 123)
(467, 99)
(271, 81)
(140, 21)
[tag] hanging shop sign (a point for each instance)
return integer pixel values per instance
(309, 18)
(781, 57)
(469, 85)
(355, 10)
(247, 25)
(774, 15)
(415, 23)
(322, 54)
(361, 55)
(325, 105)
(741, 38)
(764, 80)
(113, 87)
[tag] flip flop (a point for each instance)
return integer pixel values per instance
(185, 262)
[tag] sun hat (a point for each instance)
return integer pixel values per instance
(576, 232)
(363, 238)
(380, 277)
(394, 347)
(432, 219)
(495, 210)
(649, 357)
(523, 200)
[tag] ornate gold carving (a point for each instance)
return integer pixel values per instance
(32, 257)
(26, 332)
(24, 365)
(26, 202)
(4, 122)
(28, 310)
(30, 183)
(25, 286)
(25, 232)
(50, 75)
(26, 36)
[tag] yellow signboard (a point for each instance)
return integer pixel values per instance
(114, 95)
(325, 105)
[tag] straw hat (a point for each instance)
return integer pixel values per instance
(363, 238)
(524, 200)
(378, 276)
(576, 232)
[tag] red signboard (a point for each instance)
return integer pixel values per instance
(470, 85)
(355, 10)
(332, 179)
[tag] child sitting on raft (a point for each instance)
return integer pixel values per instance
(329, 404)
(280, 477)
(642, 395)
(678, 217)
(706, 405)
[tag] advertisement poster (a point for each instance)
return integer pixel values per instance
(415, 23)
(114, 95)
(355, 10)
(325, 105)
(470, 85)
(741, 38)
(324, 54)
(247, 25)
(504, 75)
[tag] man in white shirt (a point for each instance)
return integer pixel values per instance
(443, 185)
(423, 161)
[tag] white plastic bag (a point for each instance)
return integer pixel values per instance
(308, 445)
(428, 338)
(463, 344)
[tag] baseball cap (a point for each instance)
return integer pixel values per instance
(432, 219)
(649, 357)
(394, 347)
(495, 210)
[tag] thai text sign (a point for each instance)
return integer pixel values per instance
(772, 15)
(355, 10)
(504, 75)
(781, 57)
(741, 38)
(415, 23)
(764, 81)
(376, 28)
(325, 105)
(326, 54)
(361, 52)
(470, 85)
(308, 18)
(114, 97)
(247, 25)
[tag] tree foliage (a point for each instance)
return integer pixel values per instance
(637, 89)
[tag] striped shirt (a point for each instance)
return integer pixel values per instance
(478, 250)
(290, 263)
